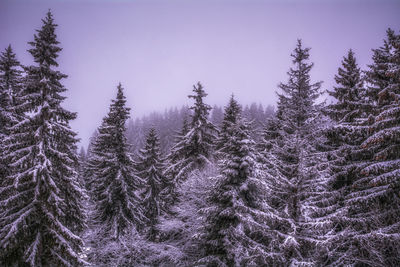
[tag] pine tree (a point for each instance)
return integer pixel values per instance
(294, 183)
(42, 198)
(10, 87)
(349, 93)
(234, 230)
(150, 169)
(374, 203)
(194, 151)
(117, 207)
(342, 147)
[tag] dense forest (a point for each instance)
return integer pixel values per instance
(309, 183)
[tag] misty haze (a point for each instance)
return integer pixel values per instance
(199, 133)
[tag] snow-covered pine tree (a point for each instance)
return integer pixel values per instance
(42, 198)
(294, 184)
(349, 92)
(10, 87)
(234, 231)
(194, 151)
(374, 203)
(343, 139)
(118, 209)
(231, 115)
(150, 169)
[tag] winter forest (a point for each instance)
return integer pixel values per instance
(311, 181)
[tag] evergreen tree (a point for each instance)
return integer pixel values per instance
(234, 230)
(150, 169)
(42, 198)
(294, 184)
(349, 94)
(374, 203)
(117, 206)
(342, 144)
(194, 151)
(10, 86)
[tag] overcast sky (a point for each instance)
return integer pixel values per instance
(159, 49)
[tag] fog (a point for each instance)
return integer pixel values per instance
(159, 49)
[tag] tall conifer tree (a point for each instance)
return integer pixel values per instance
(343, 139)
(117, 206)
(150, 169)
(10, 87)
(294, 185)
(374, 203)
(43, 214)
(234, 231)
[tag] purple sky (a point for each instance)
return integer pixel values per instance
(158, 49)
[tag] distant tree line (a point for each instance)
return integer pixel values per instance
(309, 184)
(168, 124)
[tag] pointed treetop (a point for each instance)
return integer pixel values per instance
(349, 76)
(300, 53)
(45, 45)
(199, 94)
(120, 90)
(10, 77)
(49, 17)
(232, 110)
(118, 106)
(9, 50)
(8, 59)
(201, 109)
